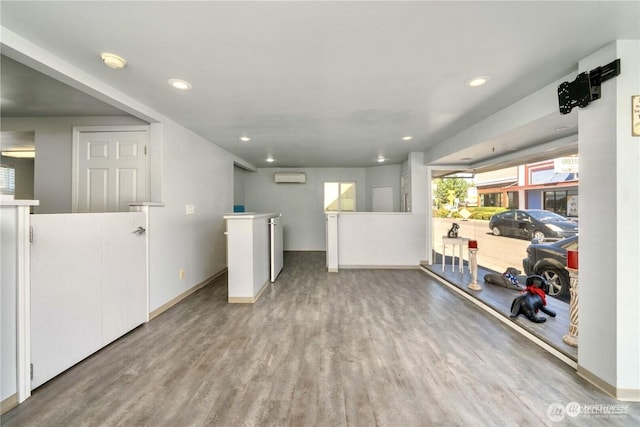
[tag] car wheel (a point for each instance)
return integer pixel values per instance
(496, 231)
(538, 235)
(557, 283)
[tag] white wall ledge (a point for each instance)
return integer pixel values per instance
(6, 202)
(250, 215)
(371, 213)
(156, 204)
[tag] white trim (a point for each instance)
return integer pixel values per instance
(627, 395)
(249, 300)
(380, 267)
(145, 209)
(75, 172)
(9, 403)
(166, 306)
(23, 308)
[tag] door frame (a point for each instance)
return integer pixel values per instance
(75, 173)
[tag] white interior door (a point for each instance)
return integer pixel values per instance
(88, 286)
(382, 199)
(109, 170)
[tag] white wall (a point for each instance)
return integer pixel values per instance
(418, 183)
(383, 176)
(609, 342)
(53, 140)
(24, 176)
(377, 239)
(301, 205)
(195, 172)
(192, 171)
(239, 179)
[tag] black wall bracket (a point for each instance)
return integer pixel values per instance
(586, 87)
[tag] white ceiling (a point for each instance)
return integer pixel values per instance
(316, 83)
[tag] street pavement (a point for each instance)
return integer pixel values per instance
(494, 252)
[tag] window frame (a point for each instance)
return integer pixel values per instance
(340, 198)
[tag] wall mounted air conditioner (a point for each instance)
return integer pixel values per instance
(290, 177)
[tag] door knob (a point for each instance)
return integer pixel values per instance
(140, 231)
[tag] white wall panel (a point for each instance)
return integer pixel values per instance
(380, 239)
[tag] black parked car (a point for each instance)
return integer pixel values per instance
(549, 260)
(532, 224)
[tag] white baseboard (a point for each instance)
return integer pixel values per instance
(9, 403)
(174, 301)
(380, 267)
(248, 300)
(628, 395)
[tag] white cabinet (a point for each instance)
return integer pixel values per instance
(88, 286)
(249, 254)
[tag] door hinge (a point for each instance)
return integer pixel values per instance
(145, 150)
(31, 370)
(31, 234)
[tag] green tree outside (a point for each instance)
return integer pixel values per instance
(450, 189)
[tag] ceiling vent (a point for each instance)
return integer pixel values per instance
(290, 178)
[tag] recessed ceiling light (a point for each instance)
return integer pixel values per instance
(270, 159)
(112, 60)
(245, 139)
(180, 84)
(477, 81)
(407, 138)
(381, 159)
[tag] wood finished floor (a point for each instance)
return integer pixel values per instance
(500, 299)
(360, 347)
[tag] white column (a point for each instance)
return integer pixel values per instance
(16, 283)
(332, 242)
(473, 267)
(610, 228)
(571, 338)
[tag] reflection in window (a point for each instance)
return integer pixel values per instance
(340, 196)
(491, 199)
(562, 202)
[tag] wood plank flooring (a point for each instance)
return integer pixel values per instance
(358, 347)
(500, 299)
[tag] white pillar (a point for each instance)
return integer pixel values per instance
(473, 267)
(15, 301)
(332, 242)
(419, 181)
(609, 309)
(571, 338)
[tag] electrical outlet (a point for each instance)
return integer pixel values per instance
(181, 274)
(191, 209)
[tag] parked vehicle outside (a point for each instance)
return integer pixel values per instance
(549, 260)
(532, 224)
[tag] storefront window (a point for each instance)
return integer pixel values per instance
(491, 199)
(562, 202)
(514, 201)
